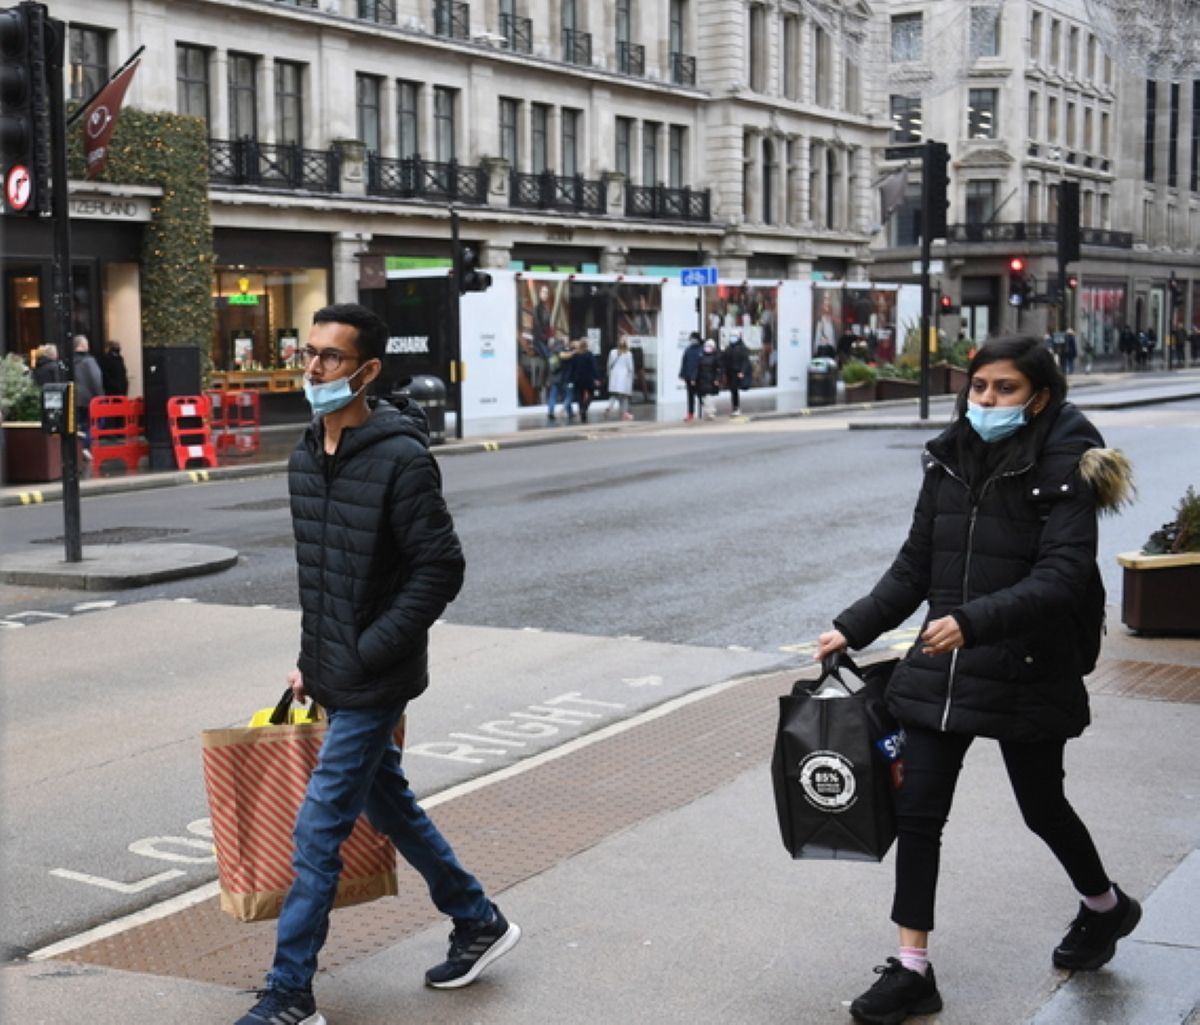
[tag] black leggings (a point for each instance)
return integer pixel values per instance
(932, 762)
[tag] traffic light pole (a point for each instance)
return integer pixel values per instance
(455, 324)
(55, 32)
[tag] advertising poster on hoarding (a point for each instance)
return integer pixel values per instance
(855, 322)
(414, 308)
(749, 312)
(554, 313)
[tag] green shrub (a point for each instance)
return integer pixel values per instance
(20, 396)
(1183, 533)
(858, 372)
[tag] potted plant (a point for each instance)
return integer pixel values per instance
(1160, 583)
(30, 455)
(859, 380)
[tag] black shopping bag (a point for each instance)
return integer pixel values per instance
(838, 757)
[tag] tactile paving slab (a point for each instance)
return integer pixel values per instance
(520, 825)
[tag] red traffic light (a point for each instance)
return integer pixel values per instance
(1016, 265)
(1072, 282)
(946, 302)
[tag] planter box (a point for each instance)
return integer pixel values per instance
(1161, 593)
(857, 393)
(30, 455)
(893, 388)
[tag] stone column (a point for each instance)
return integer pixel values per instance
(752, 176)
(346, 246)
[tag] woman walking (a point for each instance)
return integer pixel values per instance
(1002, 547)
(620, 380)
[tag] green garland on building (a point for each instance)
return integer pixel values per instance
(169, 151)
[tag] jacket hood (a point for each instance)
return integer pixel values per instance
(1109, 473)
(388, 418)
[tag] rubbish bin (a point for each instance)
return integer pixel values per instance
(822, 382)
(429, 393)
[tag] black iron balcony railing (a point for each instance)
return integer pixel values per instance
(452, 19)
(631, 59)
(664, 204)
(416, 178)
(577, 47)
(548, 191)
(299, 3)
(282, 166)
(683, 69)
(382, 12)
(1036, 232)
(517, 32)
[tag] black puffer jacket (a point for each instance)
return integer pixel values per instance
(378, 558)
(1016, 567)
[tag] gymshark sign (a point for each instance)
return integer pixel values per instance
(408, 346)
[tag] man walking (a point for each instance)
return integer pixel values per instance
(378, 562)
(88, 385)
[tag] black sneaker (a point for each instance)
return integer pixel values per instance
(1092, 938)
(472, 950)
(897, 993)
(283, 1007)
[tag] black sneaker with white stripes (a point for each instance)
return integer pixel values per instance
(472, 950)
(283, 1007)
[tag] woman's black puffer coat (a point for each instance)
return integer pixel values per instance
(1017, 569)
(378, 558)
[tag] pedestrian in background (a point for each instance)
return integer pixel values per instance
(1070, 350)
(620, 380)
(47, 367)
(1002, 548)
(585, 377)
(378, 562)
(561, 354)
(688, 367)
(708, 379)
(737, 367)
(112, 370)
(89, 384)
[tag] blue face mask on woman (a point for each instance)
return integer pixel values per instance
(330, 396)
(995, 423)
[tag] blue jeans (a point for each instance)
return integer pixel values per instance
(559, 392)
(359, 771)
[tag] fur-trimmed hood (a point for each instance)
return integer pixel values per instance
(1109, 473)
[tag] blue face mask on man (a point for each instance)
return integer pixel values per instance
(995, 423)
(330, 396)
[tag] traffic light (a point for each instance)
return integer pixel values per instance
(24, 111)
(1068, 223)
(1018, 283)
(947, 302)
(1072, 282)
(1176, 291)
(470, 277)
(935, 189)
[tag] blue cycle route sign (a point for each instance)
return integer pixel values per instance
(698, 276)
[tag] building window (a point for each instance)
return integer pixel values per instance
(822, 67)
(791, 57)
(1055, 42)
(908, 38)
(408, 119)
(1035, 126)
(1151, 119)
(89, 61)
(1173, 138)
(622, 13)
(624, 147)
(1091, 58)
(1052, 120)
(756, 58)
(1035, 38)
(368, 90)
(852, 78)
(510, 112)
(985, 32)
(981, 201)
(1073, 52)
(981, 113)
(677, 142)
(1031, 204)
(243, 96)
(1089, 127)
(289, 103)
(539, 129)
(1194, 178)
(571, 121)
(191, 81)
(650, 130)
(1105, 128)
(443, 124)
(1070, 126)
(906, 119)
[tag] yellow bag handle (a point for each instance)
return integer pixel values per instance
(285, 713)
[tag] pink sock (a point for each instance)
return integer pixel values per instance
(915, 959)
(1105, 902)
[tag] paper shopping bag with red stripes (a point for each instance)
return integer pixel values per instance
(256, 779)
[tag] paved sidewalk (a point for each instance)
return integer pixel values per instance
(694, 913)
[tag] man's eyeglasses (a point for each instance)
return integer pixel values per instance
(331, 359)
